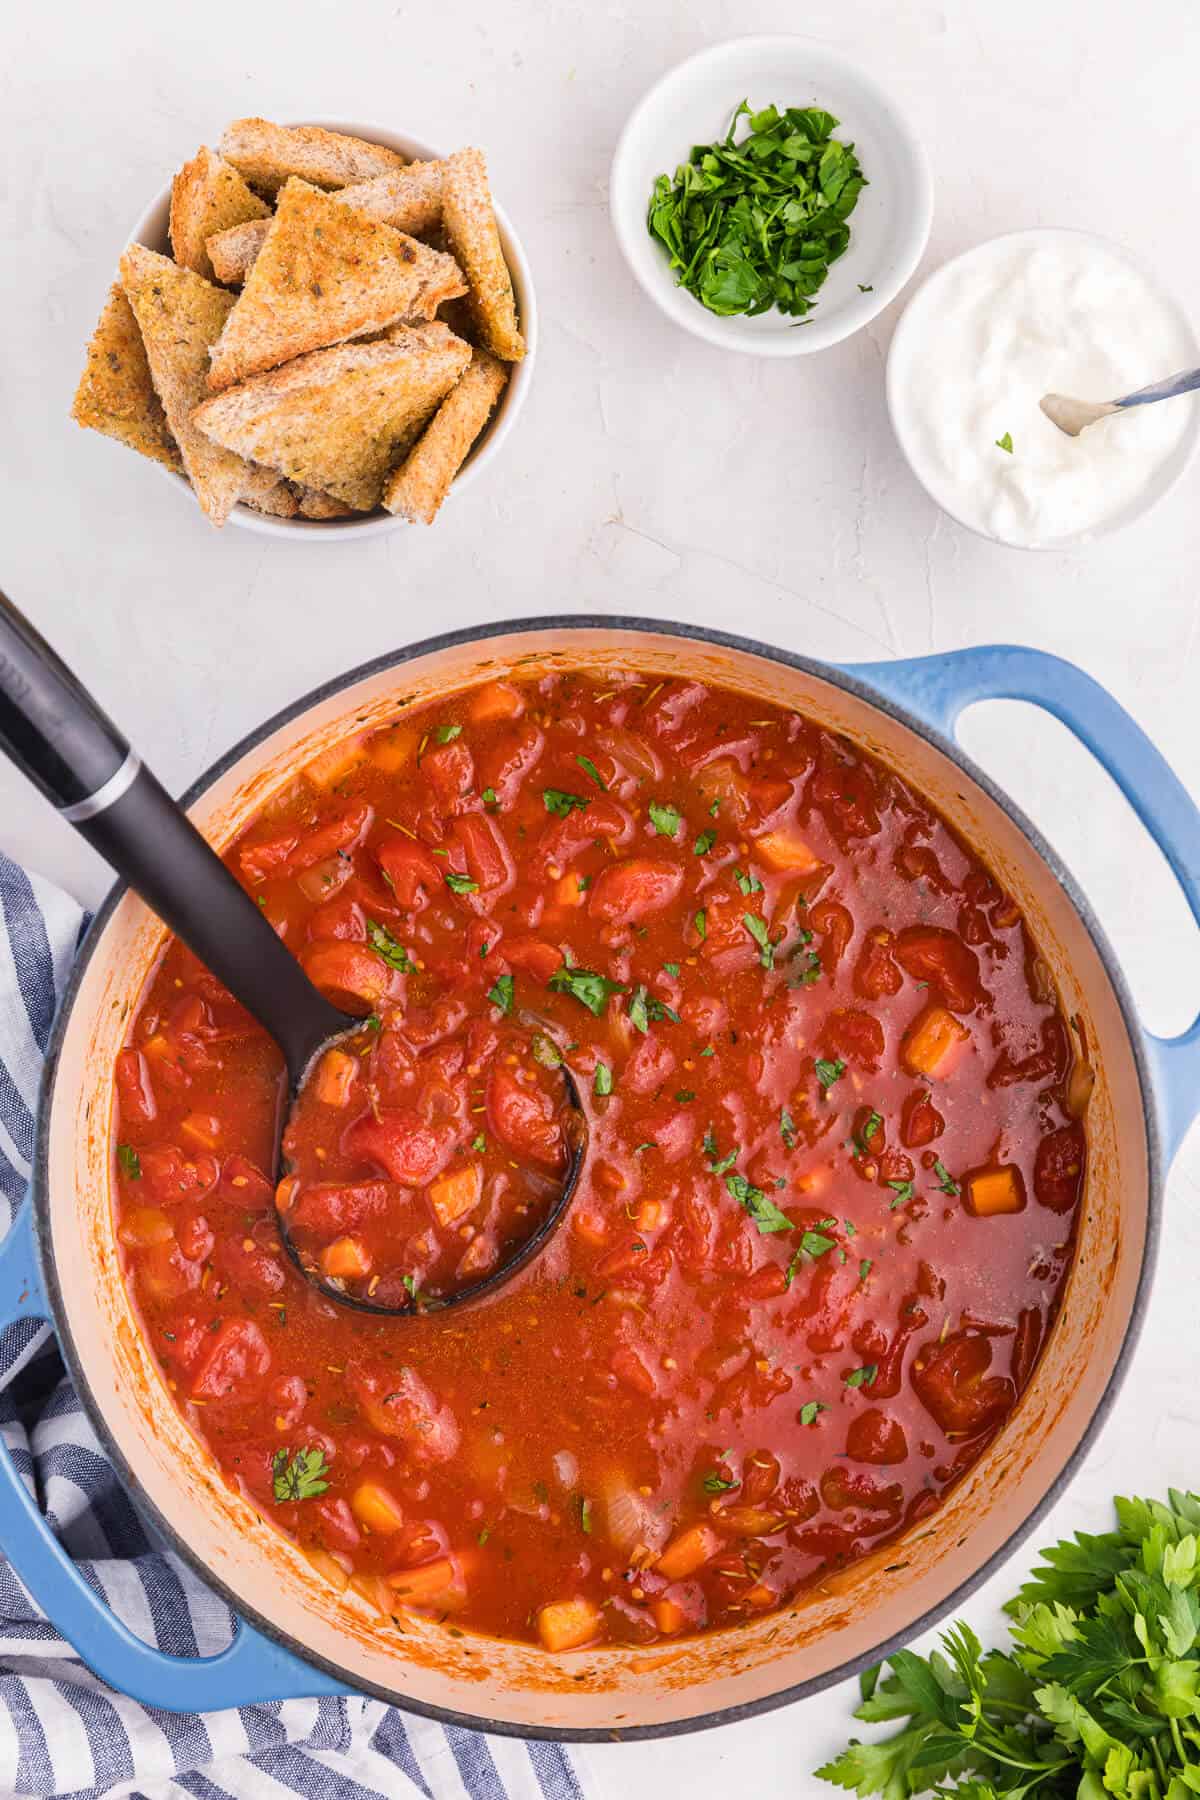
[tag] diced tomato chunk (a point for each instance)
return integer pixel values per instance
(1058, 1168)
(396, 1402)
(450, 771)
(496, 700)
(235, 1363)
(944, 961)
(488, 862)
(524, 1118)
(952, 1382)
(295, 849)
(404, 1147)
(410, 870)
(531, 956)
(134, 1089)
(168, 1175)
(629, 891)
(852, 1036)
(875, 1437)
(352, 975)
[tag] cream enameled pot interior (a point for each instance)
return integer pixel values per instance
(854, 1612)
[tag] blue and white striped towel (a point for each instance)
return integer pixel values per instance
(62, 1733)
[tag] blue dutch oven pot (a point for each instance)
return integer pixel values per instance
(297, 1634)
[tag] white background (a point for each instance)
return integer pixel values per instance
(649, 474)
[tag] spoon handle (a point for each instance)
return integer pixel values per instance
(1167, 389)
(58, 736)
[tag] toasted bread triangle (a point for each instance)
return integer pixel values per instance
(207, 195)
(338, 419)
(180, 315)
(469, 223)
(326, 273)
(116, 393)
(417, 488)
(267, 154)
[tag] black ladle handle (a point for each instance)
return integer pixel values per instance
(60, 738)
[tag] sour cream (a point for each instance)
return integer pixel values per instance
(1040, 312)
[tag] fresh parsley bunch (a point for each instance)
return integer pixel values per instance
(1099, 1696)
(756, 224)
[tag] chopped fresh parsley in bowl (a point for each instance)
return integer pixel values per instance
(755, 221)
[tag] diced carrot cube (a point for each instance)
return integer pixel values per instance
(496, 700)
(930, 1042)
(158, 1048)
(785, 850)
(995, 1191)
(201, 1129)
(375, 1508)
(328, 768)
(592, 1227)
(336, 1074)
(346, 1259)
(568, 1624)
(143, 1226)
(650, 1215)
(568, 891)
(760, 1595)
(688, 1551)
(440, 1583)
(669, 1617)
(455, 1193)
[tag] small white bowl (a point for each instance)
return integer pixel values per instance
(922, 315)
(693, 104)
(151, 230)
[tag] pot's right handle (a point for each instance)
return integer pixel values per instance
(250, 1669)
(939, 688)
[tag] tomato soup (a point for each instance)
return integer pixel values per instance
(833, 1157)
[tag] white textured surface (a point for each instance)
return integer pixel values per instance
(651, 473)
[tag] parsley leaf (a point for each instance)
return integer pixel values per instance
(828, 1072)
(393, 953)
(704, 843)
(501, 994)
(490, 797)
(749, 884)
(751, 1199)
(717, 1484)
(666, 820)
(460, 884)
(946, 1181)
(762, 937)
(589, 768)
(863, 1377)
(787, 1129)
(700, 921)
(479, 1143)
(1005, 442)
(446, 734)
(904, 1191)
(562, 804)
(545, 1051)
(810, 1409)
(602, 1083)
(130, 1162)
(644, 1007)
(812, 1245)
(589, 989)
(299, 1477)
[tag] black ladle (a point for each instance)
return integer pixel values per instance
(57, 735)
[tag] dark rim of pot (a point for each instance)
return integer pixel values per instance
(862, 690)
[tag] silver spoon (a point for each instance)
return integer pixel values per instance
(1074, 416)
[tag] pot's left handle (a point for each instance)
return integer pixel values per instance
(251, 1669)
(939, 688)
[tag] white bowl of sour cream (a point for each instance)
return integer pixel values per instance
(1035, 312)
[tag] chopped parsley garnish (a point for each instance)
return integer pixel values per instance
(589, 768)
(683, 1096)
(585, 1514)
(479, 1143)
(810, 972)
(446, 734)
(809, 1411)
(860, 1142)
(864, 1268)
(751, 1199)
(904, 1191)
(460, 884)
(130, 1162)
(787, 1129)
(589, 989)
(501, 993)
(700, 921)
(1005, 442)
(562, 804)
(414, 1292)
(748, 883)
(666, 820)
(755, 224)
(490, 797)
(644, 1007)
(762, 937)
(946, 1181)
(704, 843)
(670, 968)
(863, 1377)
(828, 1072)
(602, 1083)
(717, 1484)
(299, 1477)
(545, 1051)
(393, 952)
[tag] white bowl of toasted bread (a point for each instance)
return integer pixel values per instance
(320, 328)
